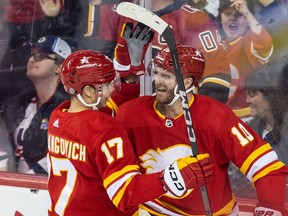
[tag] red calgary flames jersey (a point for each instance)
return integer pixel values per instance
(159, 141)
(92, 166)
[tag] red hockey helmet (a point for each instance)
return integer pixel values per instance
(86, 67)
(191, 61)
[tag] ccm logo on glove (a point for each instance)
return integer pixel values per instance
(187, 173)
(174, 173)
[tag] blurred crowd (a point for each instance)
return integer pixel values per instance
(251, 35)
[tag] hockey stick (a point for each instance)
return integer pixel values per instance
(150, 19)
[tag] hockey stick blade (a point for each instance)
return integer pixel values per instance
(145, 16)
(142, 15)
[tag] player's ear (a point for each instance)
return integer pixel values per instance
(88, 91)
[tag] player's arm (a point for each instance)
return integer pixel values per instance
(129, 55)
(258, 162)
(272, 201)
(186, 173)
(127, 187)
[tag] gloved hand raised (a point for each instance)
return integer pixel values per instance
(131, 48)
(187, 173)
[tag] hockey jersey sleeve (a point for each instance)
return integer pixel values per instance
(256, 160)
(119, 170)
(278, 193)
(258, 48)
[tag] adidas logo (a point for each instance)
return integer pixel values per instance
(56, 123)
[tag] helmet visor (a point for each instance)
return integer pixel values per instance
(114, 86)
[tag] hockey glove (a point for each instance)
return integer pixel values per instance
(187, 173)
(262, 211)
(131, 48)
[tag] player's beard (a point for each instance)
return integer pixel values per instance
(164, 97)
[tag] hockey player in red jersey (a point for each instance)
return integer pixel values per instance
(193, 27)
(92, 166)
(157, 130)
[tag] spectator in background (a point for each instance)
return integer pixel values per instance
(284, 88)
(269, 105)
(283, 82)
(80, 21)
(248, 48)
(27, 114)
(268, 102)
(66, 19)
(4, 32)
(24, 19)
(284, 78)
(12, 83)
(274, 17)
(6, 150)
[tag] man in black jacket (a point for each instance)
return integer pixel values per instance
(26, 115)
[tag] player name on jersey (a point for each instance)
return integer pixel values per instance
(67, 148)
